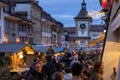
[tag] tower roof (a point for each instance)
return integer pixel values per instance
(83, 14)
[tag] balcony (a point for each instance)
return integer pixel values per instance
(12, 17)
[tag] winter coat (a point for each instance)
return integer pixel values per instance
(34, 75)
(49, 68)
(68, 76)
(96, 76)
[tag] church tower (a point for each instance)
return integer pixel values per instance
(83, 23)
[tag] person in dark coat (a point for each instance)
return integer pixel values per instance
(76, 71)
(98, 71)
(50, 50)
(36, 73)
(58, 76)
(50, 67)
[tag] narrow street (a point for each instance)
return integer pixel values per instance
(59, 40)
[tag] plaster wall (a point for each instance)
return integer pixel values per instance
(110, 58)
(111, 53)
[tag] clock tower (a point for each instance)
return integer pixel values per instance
(83, 23)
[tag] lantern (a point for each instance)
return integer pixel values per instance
(104, 4)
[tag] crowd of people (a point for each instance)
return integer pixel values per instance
(69, 66)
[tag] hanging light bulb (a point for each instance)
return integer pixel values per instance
(5, 40)
(18, 40)
(21, 55)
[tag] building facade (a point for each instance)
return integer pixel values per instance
(51, 30)
(83, 23)
(34, 15)
(84, 34)
(59, 30)
(15, 28)
(2, 14)
(25, 21)
(70, 36)
(46, 28)
(111, 53)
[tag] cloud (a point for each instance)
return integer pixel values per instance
(52, 2)
(61, 16)
(66, 19)
(64, 11)
(95, 14)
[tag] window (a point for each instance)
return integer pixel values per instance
(6, 9)
(94, 35)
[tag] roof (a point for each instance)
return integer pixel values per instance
(40, 48)
(4, 1)
(83, 37)
(26, 1)
(10, 48)
(22, 1)
(70, 29)
(83, 14)
(97, 28)
(21, 14)
(59, 49)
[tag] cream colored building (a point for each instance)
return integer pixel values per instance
(14, 29)
(51, 30)
(2, 14)
(17, 31)
(111, 54)
(46, 28)
(34, 14)
(83, 24)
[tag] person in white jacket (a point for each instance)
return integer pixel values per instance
(68, 74)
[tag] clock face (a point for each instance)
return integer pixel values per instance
(82, 26)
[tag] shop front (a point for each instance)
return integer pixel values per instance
(20, 56)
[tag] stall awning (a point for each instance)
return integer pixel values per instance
(10, 48)
(116, 23)
(96, 41)
(40, 48)
(59, 49)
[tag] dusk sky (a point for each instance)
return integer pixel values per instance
(65, 10)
